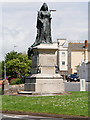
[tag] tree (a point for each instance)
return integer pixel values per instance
(17, 64)
(11, 55)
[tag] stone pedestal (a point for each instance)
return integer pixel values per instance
(44, 76)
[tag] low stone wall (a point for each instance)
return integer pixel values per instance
(18, 87)
(11, 89)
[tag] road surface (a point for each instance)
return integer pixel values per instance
(28, 117)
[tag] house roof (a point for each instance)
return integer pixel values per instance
(77, 46)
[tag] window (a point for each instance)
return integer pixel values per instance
(63, 54)
(63, 62)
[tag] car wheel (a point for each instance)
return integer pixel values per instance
(70, 80)
(67, 80)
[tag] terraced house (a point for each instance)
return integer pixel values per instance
(71, 56)
(77, 53)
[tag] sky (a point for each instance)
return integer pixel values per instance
(18, 24)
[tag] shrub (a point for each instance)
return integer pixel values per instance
(17, 81)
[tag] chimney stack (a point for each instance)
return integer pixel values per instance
(86, 51)
(85, 43)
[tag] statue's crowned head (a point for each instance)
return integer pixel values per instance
(44, 7)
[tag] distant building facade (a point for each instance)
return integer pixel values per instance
(73, 58)
(84, 67)
(62, 57)
(77, 52)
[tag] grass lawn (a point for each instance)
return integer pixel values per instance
(75, 104)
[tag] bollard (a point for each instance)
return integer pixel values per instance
(82, 85)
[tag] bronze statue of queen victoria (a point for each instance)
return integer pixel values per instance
(43, 27)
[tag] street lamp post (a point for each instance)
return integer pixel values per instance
(53, 10)
(5, 66)
(4, 70)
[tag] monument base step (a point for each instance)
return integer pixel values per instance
(39, 94)
(25, 92)
(44, 86)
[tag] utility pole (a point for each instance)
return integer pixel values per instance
(53, 10)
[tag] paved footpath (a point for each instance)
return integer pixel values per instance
(29, 117)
